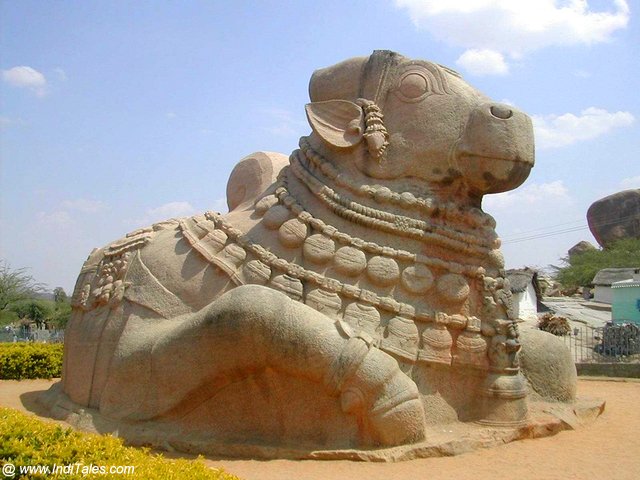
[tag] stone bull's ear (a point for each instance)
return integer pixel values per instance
(340, 123)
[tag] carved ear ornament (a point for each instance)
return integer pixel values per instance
(376, 133)
(343, 124)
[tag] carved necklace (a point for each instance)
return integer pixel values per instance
(385, 221)
(285, 198)
(388, 304)
(402, 336)
(473, 217)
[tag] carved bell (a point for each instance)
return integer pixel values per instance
(291, 287)
(401, 338)
(436, 344)
(325, 302)
(471, 346)
(362, 317)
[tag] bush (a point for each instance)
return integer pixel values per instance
(580, 269)
(30, 360)
(28, 441)
(556, 325)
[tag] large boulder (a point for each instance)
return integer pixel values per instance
(580, 248)
(615, 217)
(548, 366)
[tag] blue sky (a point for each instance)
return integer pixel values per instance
(116, 114)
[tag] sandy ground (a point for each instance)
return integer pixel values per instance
(609, 448)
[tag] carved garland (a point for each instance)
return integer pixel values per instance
(359, 320)
(447, 211)
(105, 285)
(388, 304)
(437, 341)
(284, 197)
(389, 222)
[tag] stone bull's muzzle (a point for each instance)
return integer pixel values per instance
(495, 152)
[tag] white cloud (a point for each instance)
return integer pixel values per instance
(535, 194)
(220, 205)
(58, 219)
(537, 222)
(65, 216)
(170, 115)
(283, 123)
(26, 77)
(630, 182)
(582, 74)
(84, 205)
(169, 210)
(516, 27)
(160, 214)
(552, 131)
(62, 75)
(6, 122)
(483, 62)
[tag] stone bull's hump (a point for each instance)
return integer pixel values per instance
(353, 299)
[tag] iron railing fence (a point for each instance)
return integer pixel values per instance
(19, 335)
(609, 344)
(612, 343)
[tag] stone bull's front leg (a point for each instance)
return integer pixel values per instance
(252, 328)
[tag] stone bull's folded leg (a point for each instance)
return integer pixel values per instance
(253, 328)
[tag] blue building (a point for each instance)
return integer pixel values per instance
(626, 300)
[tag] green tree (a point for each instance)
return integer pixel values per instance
(579, 270)
(16, 285)
(59, 295)
(38, 311)
(21, 309)
(62, 310)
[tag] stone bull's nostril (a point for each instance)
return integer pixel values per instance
(500, 111)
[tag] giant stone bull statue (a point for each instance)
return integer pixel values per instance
(352, 298)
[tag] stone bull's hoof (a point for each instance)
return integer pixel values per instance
(252, 330)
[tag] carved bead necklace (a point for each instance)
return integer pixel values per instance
(389, 222)
(229, 249)
(285, 198)
(447, 211)
(388, 304)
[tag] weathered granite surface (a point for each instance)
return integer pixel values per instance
(580, 248)
(615, 217)
(352, 300)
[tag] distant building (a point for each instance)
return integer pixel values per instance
(626, 300)
(607, 277)
(526, 292)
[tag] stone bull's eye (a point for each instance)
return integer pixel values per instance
(413, 86)
(417, 82)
